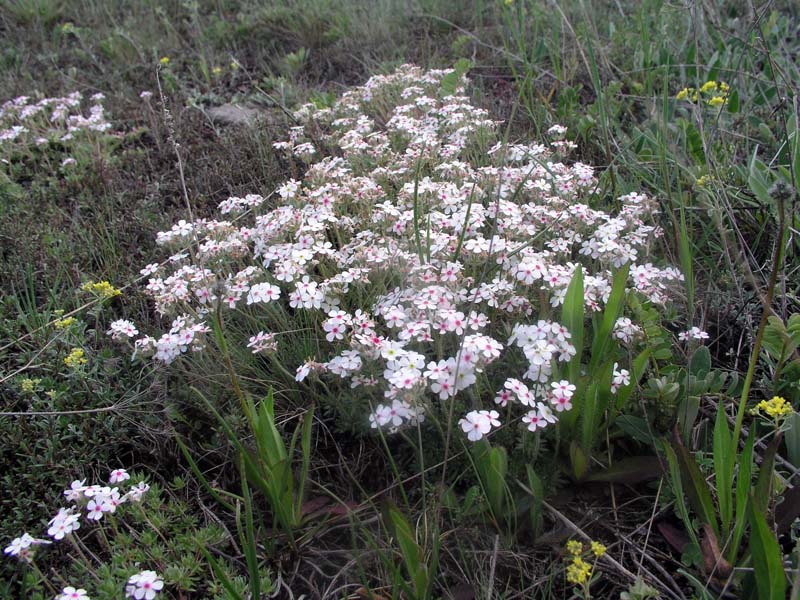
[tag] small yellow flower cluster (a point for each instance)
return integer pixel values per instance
(579, 571)
(64, 323)
(778, 408)
(703, 180)
(163, 61)
(28, 385)
(101, 288)
(598, 549)
(713, 93)
(75, 358)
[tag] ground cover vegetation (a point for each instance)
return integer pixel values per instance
(399, 299)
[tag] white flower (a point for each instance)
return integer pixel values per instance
(76, 489)
(476, 423)
(695, 333)
(118, 476)
(71, 593)
(19, 544)
(143, 586)
(63, 524)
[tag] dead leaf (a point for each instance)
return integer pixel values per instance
(673, 536)
(715, 564)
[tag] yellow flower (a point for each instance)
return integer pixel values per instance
(579, 571)
(716, 101)
(598, 549)
(75, 358)
(574, 547)
(164, 61)
(683, 94)
(27, 385)
(64, 323)
(777, 408)
(234, 65)
(51, 394)
(216, 70)
(703, 181)
(101, 288)
(709, 86)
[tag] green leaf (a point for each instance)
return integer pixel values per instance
(572, 319)
(792, 433)
(579, 460)
(700, 363)
(695, 486)
(676, 481)
(733, 102)
(724, 463)
(410, 550)
(537, 491)
(451, 80)
(638, 371)
(635, 428)
(220, 574)
(694, 143)
(249, 543)
(614, 305)
(630, 470)
(767, 557)
(743, 486)
(763, 491)
(757, 180)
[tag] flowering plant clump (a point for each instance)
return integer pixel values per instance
(94, 502)
(465, 244)
(76, 358)
(25, 122)
(579, 571)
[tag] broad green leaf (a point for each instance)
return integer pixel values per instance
(743, 487)
(616, 300)
(733, 102)
(572, 319)
(792, 435)
(676, 481)
(635, 428)
(695, 486)
(767, 557)
(579, 460)
(638, 371)
(724, 464)
(764, 488)
(700, 363)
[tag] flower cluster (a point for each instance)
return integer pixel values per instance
(460, 239)
(96, 501)
(579, 571)
(694, 333)
(76, 358)
(778, 408)
(712, 93)
(26, 122)
(101, 289)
